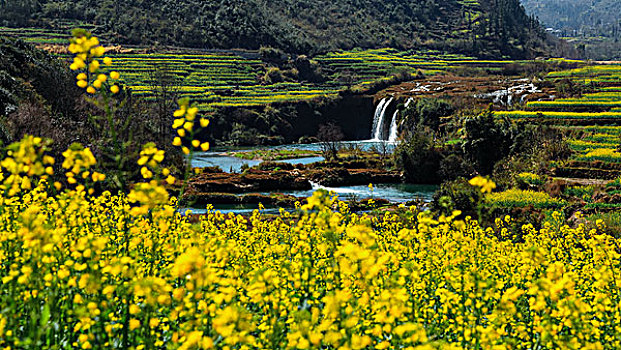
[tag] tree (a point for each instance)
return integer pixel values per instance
(488, 140)
(330, 136)
(418, 157)
(165, 86)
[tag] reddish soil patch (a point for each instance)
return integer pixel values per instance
(465, 89)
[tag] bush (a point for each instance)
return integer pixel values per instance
(426, 113)
(488, 140)
(454, 166)
(273, 75)
(418, 158)
(273, 56)
(329, 136)
(458, 195)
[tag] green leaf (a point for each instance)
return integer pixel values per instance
(45, 315)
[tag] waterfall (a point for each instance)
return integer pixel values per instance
(394, 128)
(378, 119)
(407, 103)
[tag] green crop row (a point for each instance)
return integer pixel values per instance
(570, 104)
(558, 115)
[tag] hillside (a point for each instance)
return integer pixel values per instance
(489, 28)
(577, 15)
(594, 26)
(36, 91)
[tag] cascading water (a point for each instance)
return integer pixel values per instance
(394, 128)
(408, 102)
(378, 118)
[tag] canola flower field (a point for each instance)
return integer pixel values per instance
(82, 272)
(36, 35)
(521, 198)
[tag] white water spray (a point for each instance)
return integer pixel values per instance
(378, 119)
(394, 128)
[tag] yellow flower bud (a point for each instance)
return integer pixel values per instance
(114, 89)
(185, 150)
(82, 83)
(134, 309)
(79, 63)
(107, 61)
(93, 66)
(91, 90)
(97, 84)
(115, 75)
(204, 122)
(196, 143)
(179, 113)
(181, 132)
(99, 51)
(133, 324)
(177, 123)
(205, 146)
(177, 141)
(102, 78)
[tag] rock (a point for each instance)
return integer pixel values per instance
(252, 180)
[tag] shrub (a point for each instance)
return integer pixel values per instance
(418, 158)
(458, 195)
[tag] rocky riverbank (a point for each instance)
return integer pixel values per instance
(213, 186)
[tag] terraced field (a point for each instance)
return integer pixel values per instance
(593, 119)
(606, 74)
(212, 80)
(230, 80)
(600, 101)
(36, 35)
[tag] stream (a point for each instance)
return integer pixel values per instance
(217, 156)
(395, 193)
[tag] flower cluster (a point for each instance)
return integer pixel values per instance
(486, 185)
(88, 58)
(149, 161)
(184, 124)
(25, 162)
(150, 195)
(78, 163)
(522, 198)
(529, 179)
